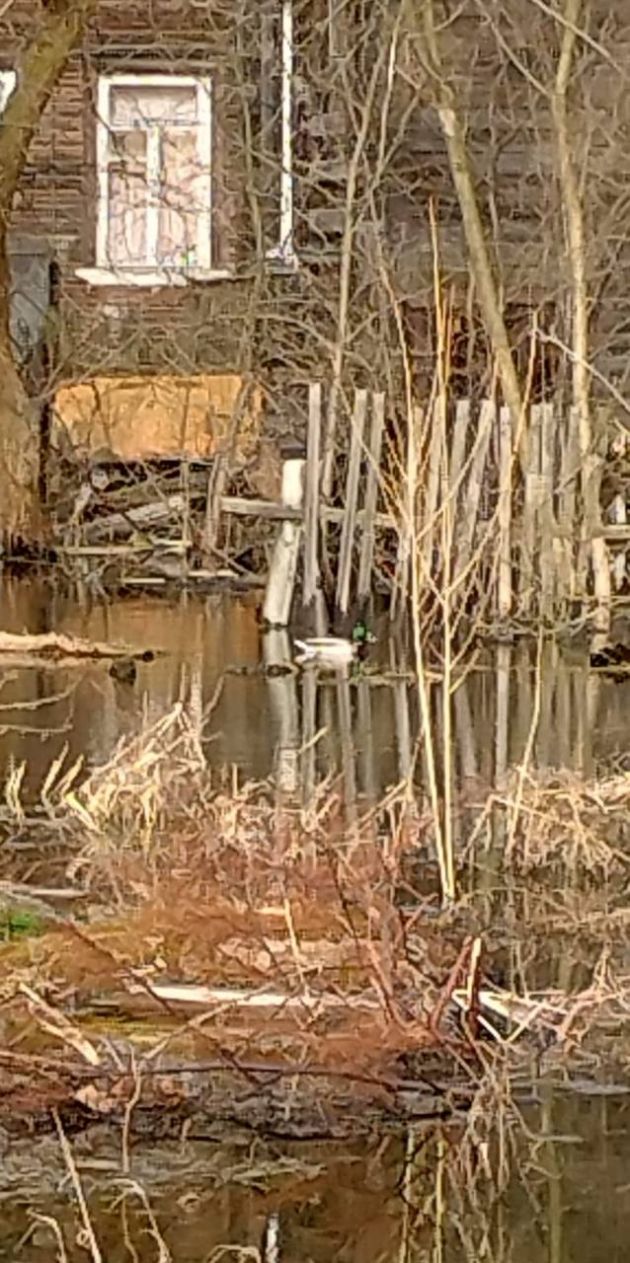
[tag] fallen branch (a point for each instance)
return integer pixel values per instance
(58, 645)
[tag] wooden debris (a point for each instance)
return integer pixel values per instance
(59, 645)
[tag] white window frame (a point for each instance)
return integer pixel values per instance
(284, 252)
(153, 273)
(8, 84)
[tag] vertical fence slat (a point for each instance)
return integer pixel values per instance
(530, 513)
(504, 592)
(567, 503)
(432, 496)
(352, 493)
(311, 494)
(619, 515)
(281, 581)
(407, 516)
(547, 520)
(458, 445)
(472, 498)
(371, 496)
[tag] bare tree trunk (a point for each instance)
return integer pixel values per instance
(42, 63)
(474, 232)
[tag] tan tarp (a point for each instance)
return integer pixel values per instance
(139, 417)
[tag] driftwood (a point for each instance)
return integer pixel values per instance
(58, 645)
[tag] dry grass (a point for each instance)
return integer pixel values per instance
(187, 882)
(560, 820)
(316, 950)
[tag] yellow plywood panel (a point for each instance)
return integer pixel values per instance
(139, 417)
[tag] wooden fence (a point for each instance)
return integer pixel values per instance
(451, 506)
(473, 512)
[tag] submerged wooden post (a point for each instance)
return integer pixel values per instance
(344, 719)
(352, 494)
(364, 585)
(281, 581)
(309, 749)
(283, 705)
(366, 751)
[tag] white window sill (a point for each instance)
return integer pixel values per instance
(150, 278)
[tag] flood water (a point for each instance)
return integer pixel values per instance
(396, 1198)
(400, 1199)
(367, 730)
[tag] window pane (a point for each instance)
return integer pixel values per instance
(128, 199)
(183, 198)
(144, 106)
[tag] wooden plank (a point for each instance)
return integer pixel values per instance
(352, 493)
(281, 580)
(616, 533)
(504, 589)
(269, 510)
(311, 494)
(364, 585)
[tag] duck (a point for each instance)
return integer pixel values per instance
(336, 651)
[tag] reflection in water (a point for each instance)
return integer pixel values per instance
(427, 1196)
(299, 726)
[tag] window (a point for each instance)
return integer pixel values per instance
(8, 80)
(154, 173)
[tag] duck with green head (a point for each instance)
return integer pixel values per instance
(336, 650)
